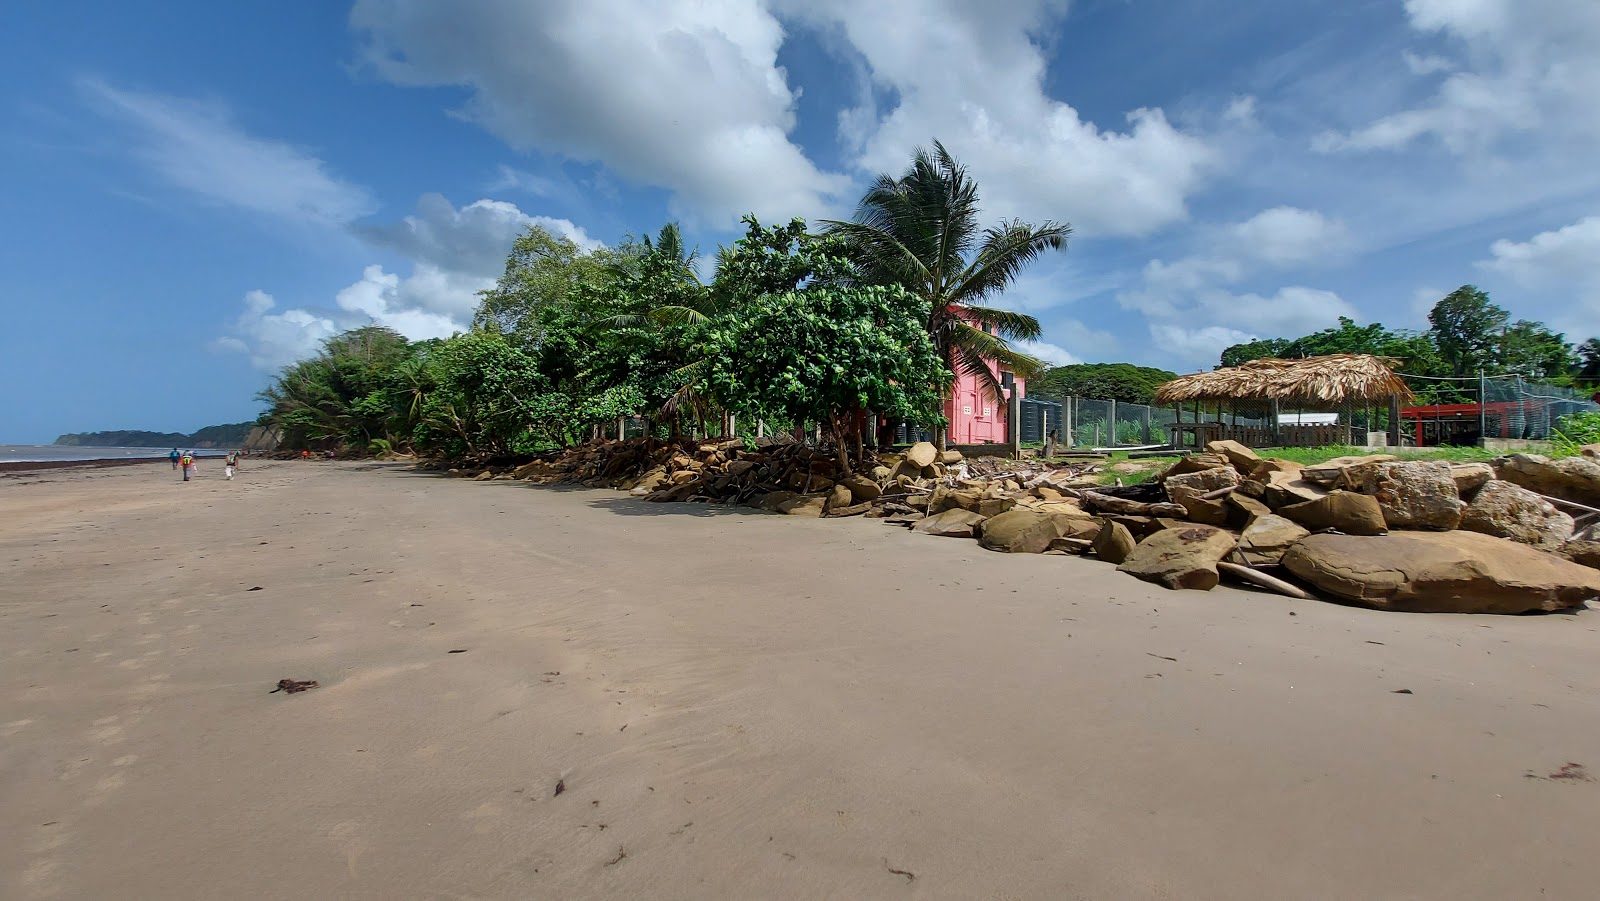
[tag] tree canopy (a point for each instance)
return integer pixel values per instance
(1103, 381)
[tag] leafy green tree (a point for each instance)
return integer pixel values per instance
(343, 395)
(1104, 381)
(1466, 328)
(1262, 349)
(824, 354)
(920, 231)
(1534, 352)
(1588, 371)
(543, 270)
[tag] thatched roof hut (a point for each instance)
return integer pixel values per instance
(1331, 381)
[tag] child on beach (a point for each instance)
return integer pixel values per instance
(229, 464)
(187, 461)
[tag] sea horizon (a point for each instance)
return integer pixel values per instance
(53, 453)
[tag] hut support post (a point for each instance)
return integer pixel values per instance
(1394, 420)
(1111, 424)
(1483, 406)
(1277, 439)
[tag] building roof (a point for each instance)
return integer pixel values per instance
(1332, 380)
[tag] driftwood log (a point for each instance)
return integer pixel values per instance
(1257, 577)
(1108, 504)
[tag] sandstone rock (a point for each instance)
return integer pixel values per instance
(1114, 543)
(1265, 539)
(861, 488)
(950, 457)
(1064, 508)
(921, 455)
(1441, 572)
(1285, 488)
(994, 506)
(776, 499)
(1331, 473)
(944, 499)
(951, 524)
(852, 510)
(1266, 467)
(1420, 494)
(1592, 451)
(484, 476)
(1204, 480)
(1469, 477)
(1045, 492)
(683, 475)
(805, 505)
(1511, 511)
(881, 473)
(1243, 458)
(1213, 512)
(1193, 463)
(1244, 509)
(1583, 553)
(1346, 511)
(1020, 532)
(1072, 546)
(1078, 527)
(1180, 558)
(838, 497)
(1575, 479)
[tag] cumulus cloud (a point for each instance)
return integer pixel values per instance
(198, 147)
(1192, 309)
(454, 252)
(274, 340)
(973, 76)
(686, 96)
(1559, 268)
(1525, 65)
(1054, 354)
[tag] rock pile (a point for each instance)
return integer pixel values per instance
(1421, 536)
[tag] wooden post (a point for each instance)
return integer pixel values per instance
(1066, 420)
(1394, 420)
(1147, 424)
(1276, 439)
(1111, 423)
(1014, 422)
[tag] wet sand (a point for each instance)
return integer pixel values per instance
(734, 705)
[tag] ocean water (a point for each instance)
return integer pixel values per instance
(50, 453)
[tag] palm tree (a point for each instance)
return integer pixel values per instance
(920, 231)
(1588, 373)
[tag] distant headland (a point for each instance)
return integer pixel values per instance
(232, 435)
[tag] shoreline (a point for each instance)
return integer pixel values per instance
(35, 465)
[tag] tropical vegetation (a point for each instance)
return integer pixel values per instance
(797, 329)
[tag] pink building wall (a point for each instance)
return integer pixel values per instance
(976, 417)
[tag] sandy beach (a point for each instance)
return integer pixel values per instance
(538, 693)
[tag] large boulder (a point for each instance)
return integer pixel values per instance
(1267, 538)
(838, 498)
(862, 488)
(1511, 511)
(1020, 532)
(1114, 543)
(1193, 463)
(944, 499)
(1575, 479)
(1180, 558)
(994, 506)
(1212, 511)
(1204, 480)
(1441, 572)
(1261, 470)
(1469, 477)
(1244, 509)
(1584, 553)
(1335, 473)
(1243, 458)
(1344, 511)
(955, 523)
(922, 455)
(1419, 494)
(811, 505)
(1283, 489)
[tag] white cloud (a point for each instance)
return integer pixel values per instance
(1528, 65)
(1284, 236)
(274, 340)
(1559, 269)
(1054, 354)
(972, 75)
(1190, 305)
(454, 254)
(687, 96)
(197, 147)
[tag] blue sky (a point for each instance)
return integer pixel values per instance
(194, 194)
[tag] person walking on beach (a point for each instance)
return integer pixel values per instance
(174, 457)
(229, 464)
(187, 461)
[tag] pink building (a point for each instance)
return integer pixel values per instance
(975, 416)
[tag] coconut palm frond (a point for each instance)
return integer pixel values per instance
(1011, 326)
(1006, 249)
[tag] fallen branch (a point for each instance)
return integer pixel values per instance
(1571, 505)
(1109, 504)
(1257, 577)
